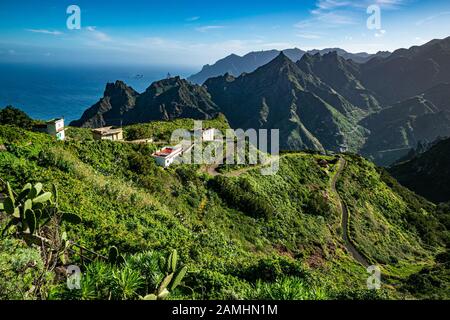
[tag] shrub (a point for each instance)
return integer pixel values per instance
(19, 267)
(140, 164)
(273, 268)
(285, 289)
(15, 117)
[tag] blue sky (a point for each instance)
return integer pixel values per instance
(196, 32)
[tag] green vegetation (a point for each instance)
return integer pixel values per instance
(243, 237)
(136, 277)
(162, 130)
(13, 116)
(427, 173)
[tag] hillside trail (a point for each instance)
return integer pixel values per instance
(345, 217)
(212, 170)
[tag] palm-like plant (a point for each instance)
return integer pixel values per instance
(285, 289)
(149, 265)
(126, 283)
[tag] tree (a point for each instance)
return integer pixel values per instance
(15, 117)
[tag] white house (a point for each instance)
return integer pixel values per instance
(54, 128)
(166, 156)
(108, 133)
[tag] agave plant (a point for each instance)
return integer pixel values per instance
(289, 288)
(126, 283)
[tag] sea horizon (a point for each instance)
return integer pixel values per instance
(49, 91)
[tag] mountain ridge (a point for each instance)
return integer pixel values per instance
(236, 65)
(163, 100)
(321, 102)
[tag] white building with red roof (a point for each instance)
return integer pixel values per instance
(167, 155)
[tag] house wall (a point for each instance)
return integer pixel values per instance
(167, 161)
(56, 129)
(112, 137)
(161, 161)
(61, 135)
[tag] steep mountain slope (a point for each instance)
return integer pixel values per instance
(398, 129)
(235, 234)
(339, 74)
(427, 174)
(408, 72)
(236, 65)
(360, 57)
(280, 95)
(439, 96)
(163, 100)
(117, 100)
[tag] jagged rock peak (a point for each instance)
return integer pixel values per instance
(118, 87)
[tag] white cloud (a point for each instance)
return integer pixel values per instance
(362, 4)
(431, 18)
(98, 35)
(336, 13)
(309, 36)
(192, 19)
(44, 31)
(326, 19)
(208, 28)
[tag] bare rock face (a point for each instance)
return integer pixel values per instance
(117, 100)
(164, 100)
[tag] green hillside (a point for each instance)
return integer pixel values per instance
(427, 173)
(241, 236)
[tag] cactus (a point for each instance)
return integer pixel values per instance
(43, 198)
(178, 278)
(10, 192)
(30, 218)
(33, 208)
(114, 257)
(172, 279)
(172, 262)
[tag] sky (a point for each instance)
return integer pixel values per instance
(197, 32)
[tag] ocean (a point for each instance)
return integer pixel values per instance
(46, 92)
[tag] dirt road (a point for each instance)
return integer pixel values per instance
(345, 217)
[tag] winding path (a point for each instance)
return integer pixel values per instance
(212, 170)
(345, 217)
